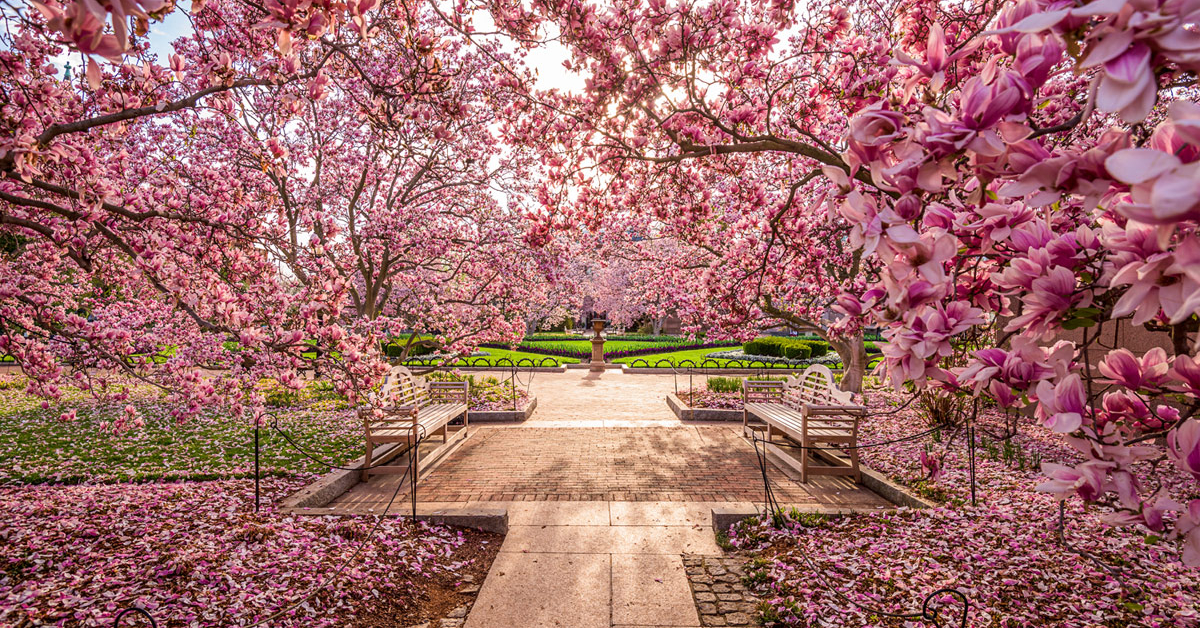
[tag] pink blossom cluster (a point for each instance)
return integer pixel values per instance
(1002, 232)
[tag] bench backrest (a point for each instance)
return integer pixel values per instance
(402, 389)
(762, 391)
(815, 386)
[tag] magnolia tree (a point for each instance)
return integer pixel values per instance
(1013, 169)
(1033, 169)
(394, 196)
(146, 206)
(696, 119)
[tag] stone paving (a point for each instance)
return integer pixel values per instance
(595, 565)
(721, 596)
(609, 437)
(609, 498)
(610, 399)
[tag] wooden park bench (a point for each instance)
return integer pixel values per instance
(809, 411)
(414, 409)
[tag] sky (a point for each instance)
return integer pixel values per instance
(546, 61)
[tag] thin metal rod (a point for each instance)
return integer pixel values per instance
(257, 489)
(415, 450)
(1062, 522)
(971, 456)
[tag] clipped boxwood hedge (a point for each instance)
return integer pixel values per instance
(790, 348)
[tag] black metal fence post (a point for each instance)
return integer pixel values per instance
(257, 489)
(971, 458)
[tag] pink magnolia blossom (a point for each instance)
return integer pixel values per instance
(1062, 406)
(1123, 368)
(1184, 444)
(1086, 480)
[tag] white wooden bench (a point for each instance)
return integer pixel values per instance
(414, 409)
(809, 411)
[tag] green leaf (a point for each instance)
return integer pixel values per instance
(1076, 323)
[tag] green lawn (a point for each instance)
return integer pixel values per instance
(696, 356)
(495, 355)
(36, 446)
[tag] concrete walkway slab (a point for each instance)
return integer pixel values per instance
(651, 590)
(545, 591)
(557, 513)
(674, 540)
(659, 513)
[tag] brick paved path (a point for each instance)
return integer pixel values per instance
(684, 463)
(608, 437)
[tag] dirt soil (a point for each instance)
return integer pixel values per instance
(437, 597)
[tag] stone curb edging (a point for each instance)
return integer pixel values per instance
(686, 413)
(889, 490)
(505, 416)
(584, 366)
(486, 518)
(883, 486)
(328, 487)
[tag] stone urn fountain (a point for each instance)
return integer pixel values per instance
(597, 363)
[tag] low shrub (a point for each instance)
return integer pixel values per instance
(818, 348)
(724, 384)
(790, 348)
(797, 351)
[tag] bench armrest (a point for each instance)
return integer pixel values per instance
(820, 409)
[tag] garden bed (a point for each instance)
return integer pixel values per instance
(503, 416)
(1003, 553)
(89, 526)
(195, 553)
(701, 413)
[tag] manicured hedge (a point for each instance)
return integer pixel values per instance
(395, 348)
(790, 348)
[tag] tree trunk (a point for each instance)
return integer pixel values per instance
(657, 325)
(854, 361)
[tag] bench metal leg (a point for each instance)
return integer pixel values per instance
(803, 461)
(366, 470)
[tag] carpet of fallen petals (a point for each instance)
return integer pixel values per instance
(1004, 553)
(84, 542)
(196, 554)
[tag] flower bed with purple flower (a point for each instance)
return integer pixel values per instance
(1004, 553)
